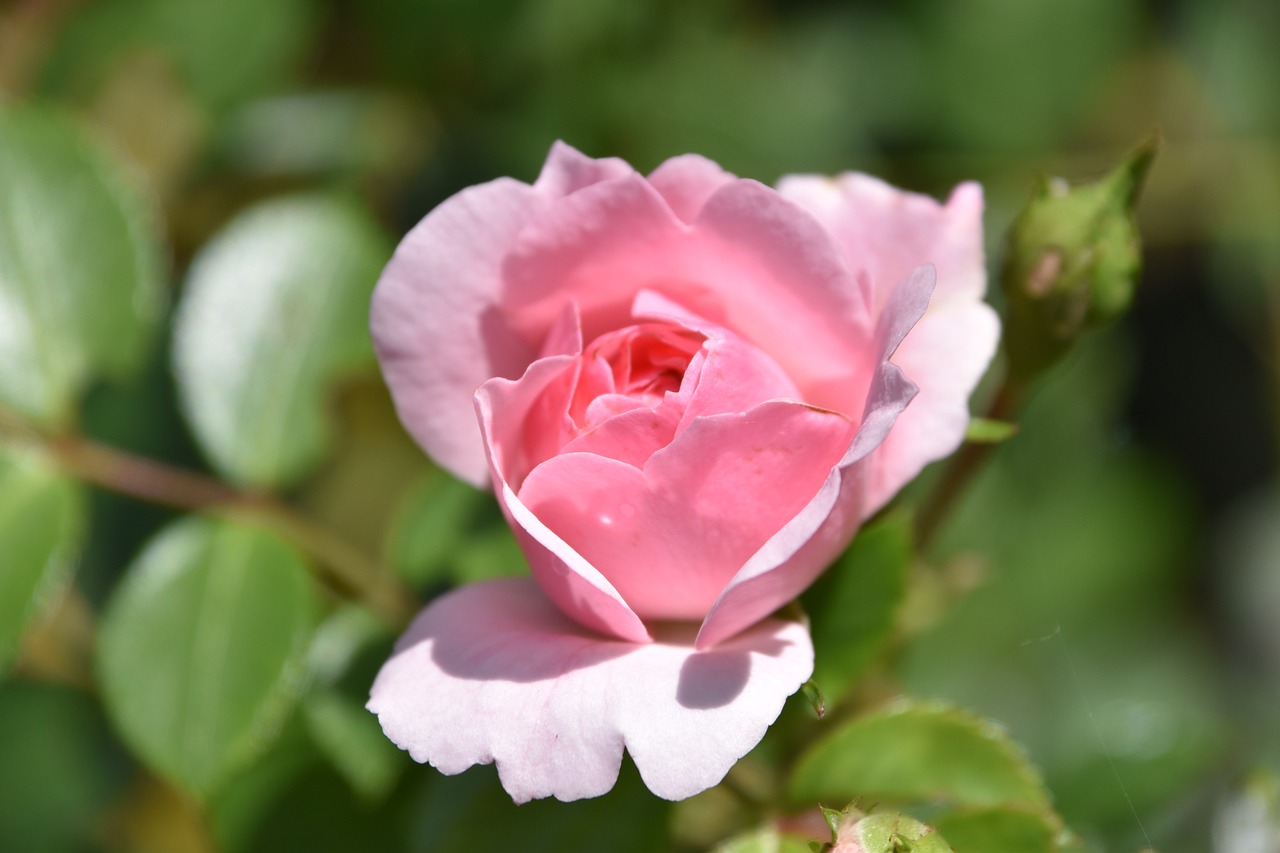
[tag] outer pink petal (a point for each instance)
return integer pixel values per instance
(571, 582)
(493, 673)
(887, 232)
(670, 537)
(687, 182)
(568, 170)
(944, 355)
(441, 294)
(801, 550)
(750, 258)
(438, 295)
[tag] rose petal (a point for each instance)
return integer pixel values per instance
(494, 673)
(438, 295)
(570, 581)
(568, 170)
(888, 232)
(795, 556)
(686, 182)
(945, 355)
(750, 258)
(670, 536)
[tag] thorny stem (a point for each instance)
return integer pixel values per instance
(343, 567)
(963, 467)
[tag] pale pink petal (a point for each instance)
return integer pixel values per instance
(795, 556)
(670, 536)
(439, 295)
(686, 182)
(753, 263)
(568, 170)
(944, 355)
(570, 581)
(889, 232)
(493, 673)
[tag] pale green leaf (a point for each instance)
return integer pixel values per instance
(201, 649)
(991, 829)
(350, 737)
(764, 840)
(911, 752)
(80, 266)
(275, 310)
(41, 521)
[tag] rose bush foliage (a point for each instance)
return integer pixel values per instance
(687, 391)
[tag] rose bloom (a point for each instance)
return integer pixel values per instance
(687, 391)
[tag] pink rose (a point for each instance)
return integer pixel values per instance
(680, 389)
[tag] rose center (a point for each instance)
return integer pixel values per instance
(629, 368)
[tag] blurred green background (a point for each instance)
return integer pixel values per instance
(1109, 589)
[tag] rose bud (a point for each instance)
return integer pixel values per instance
(1071, 262)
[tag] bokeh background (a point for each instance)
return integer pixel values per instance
(1109, 589)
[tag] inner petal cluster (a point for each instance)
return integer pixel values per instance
(631, 368)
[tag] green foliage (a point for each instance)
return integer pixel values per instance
(197, 38)
(41, 523)
(455, 814)
(202, 646)
(984, 830)
(350, 737)
(853, 606)
(912, 752)
(60, 767)
(80, 266)
(275, 309)
(767, 839)
(1071, 262)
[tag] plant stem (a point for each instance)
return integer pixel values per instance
(347, 569)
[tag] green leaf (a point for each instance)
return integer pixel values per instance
(432, 526)
(989, 829)
(61, 768)
(275, 310)
(196, 37)
(764, 840)
(853, 606)
(988, 431)
(201, 649)
(350, 737)
(80, 266)
(41, 522)
(918, 752)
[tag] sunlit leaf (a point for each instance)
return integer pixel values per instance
(853, 606)
(201, 648)
(80, 266)
(918, 752)
(764, 840)
(41, 519)
(275, 309)
(350, 737)
(988, 829)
